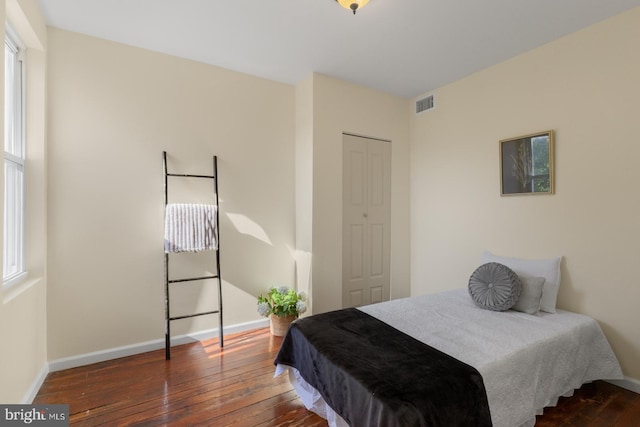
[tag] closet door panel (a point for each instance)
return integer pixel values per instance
(366, 220)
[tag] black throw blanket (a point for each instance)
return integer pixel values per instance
(371, 374)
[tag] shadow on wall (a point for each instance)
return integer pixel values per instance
(250, 258)
(247, 226)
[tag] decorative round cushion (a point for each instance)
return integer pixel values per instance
(494, 286)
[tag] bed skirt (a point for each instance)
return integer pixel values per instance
(313, 401)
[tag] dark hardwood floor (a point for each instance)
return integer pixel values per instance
(203, 385)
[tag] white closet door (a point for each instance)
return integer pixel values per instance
(365, 223)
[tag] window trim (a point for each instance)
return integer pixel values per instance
(15, 44)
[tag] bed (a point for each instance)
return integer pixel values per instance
(525, 362)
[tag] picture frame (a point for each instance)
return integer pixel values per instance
(527, 164)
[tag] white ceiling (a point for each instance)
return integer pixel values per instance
(404, 47)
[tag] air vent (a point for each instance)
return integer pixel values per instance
(424, 104)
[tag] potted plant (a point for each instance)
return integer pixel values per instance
(282, 306)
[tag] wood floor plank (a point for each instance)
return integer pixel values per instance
(208, 386)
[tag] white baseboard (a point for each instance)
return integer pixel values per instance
(35, 386)
(143, 347)
(628, 383)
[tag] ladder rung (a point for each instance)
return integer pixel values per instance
(193, 315)
(184, 175)
(193, 278)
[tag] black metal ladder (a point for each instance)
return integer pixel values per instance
(167, 281)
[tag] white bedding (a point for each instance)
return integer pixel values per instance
(527, 362)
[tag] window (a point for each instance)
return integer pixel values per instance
(540, 178)
(14, 162)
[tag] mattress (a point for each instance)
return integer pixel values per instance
(526, 361)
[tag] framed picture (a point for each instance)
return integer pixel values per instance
(526, 164)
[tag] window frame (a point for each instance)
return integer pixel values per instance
(18, 158)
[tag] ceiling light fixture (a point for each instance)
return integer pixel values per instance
(353, 4)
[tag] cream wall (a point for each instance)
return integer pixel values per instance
(113, 109)
(23, 329)
(340, 107)
(586, 88)
(304, 186)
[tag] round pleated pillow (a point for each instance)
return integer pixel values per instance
(494, 286)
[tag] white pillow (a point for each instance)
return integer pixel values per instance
(530, 295)
(548, 268)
